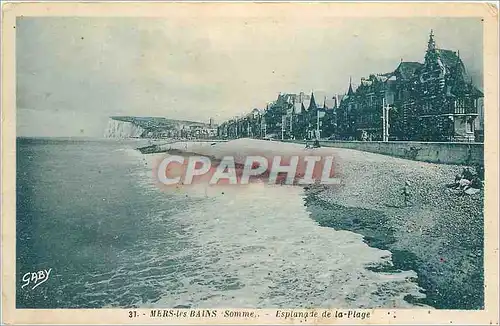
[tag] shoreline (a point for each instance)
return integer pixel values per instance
(441, 290)
(440, 236)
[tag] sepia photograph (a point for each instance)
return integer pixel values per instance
(217, 163)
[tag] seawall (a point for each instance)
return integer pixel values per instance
(432, 152)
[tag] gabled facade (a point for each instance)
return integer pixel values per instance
(446, 105)
(347, 114)
(433, 101)
(430, 101)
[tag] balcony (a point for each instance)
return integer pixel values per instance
(465, 110)
(464, 106)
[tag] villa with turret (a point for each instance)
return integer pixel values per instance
(431, 101)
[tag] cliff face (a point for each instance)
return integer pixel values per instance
(122, 129)
(150, 127)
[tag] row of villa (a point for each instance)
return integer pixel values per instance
(431, 101)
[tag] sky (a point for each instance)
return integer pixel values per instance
(74, 72)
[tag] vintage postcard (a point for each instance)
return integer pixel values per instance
(249, 163)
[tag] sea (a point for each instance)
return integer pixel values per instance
(89, 210)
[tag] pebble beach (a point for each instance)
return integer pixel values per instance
(439, 235)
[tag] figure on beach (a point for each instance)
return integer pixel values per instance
(315, 144)
(407, 193)
(468, 182)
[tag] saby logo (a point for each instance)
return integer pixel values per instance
(175, 170)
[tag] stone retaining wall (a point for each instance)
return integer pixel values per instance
(433, 152)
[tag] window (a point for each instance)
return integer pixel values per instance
(470, 126)
(426, 107)
(390, 98)
(461, 106)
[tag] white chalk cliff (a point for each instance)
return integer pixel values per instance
(122, 129)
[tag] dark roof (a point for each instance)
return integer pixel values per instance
(407, 69)
(476, 92)
(312, 103)
(451, 60)
(448, 57)
(350, 91)
(323, 97)
(328, 103)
